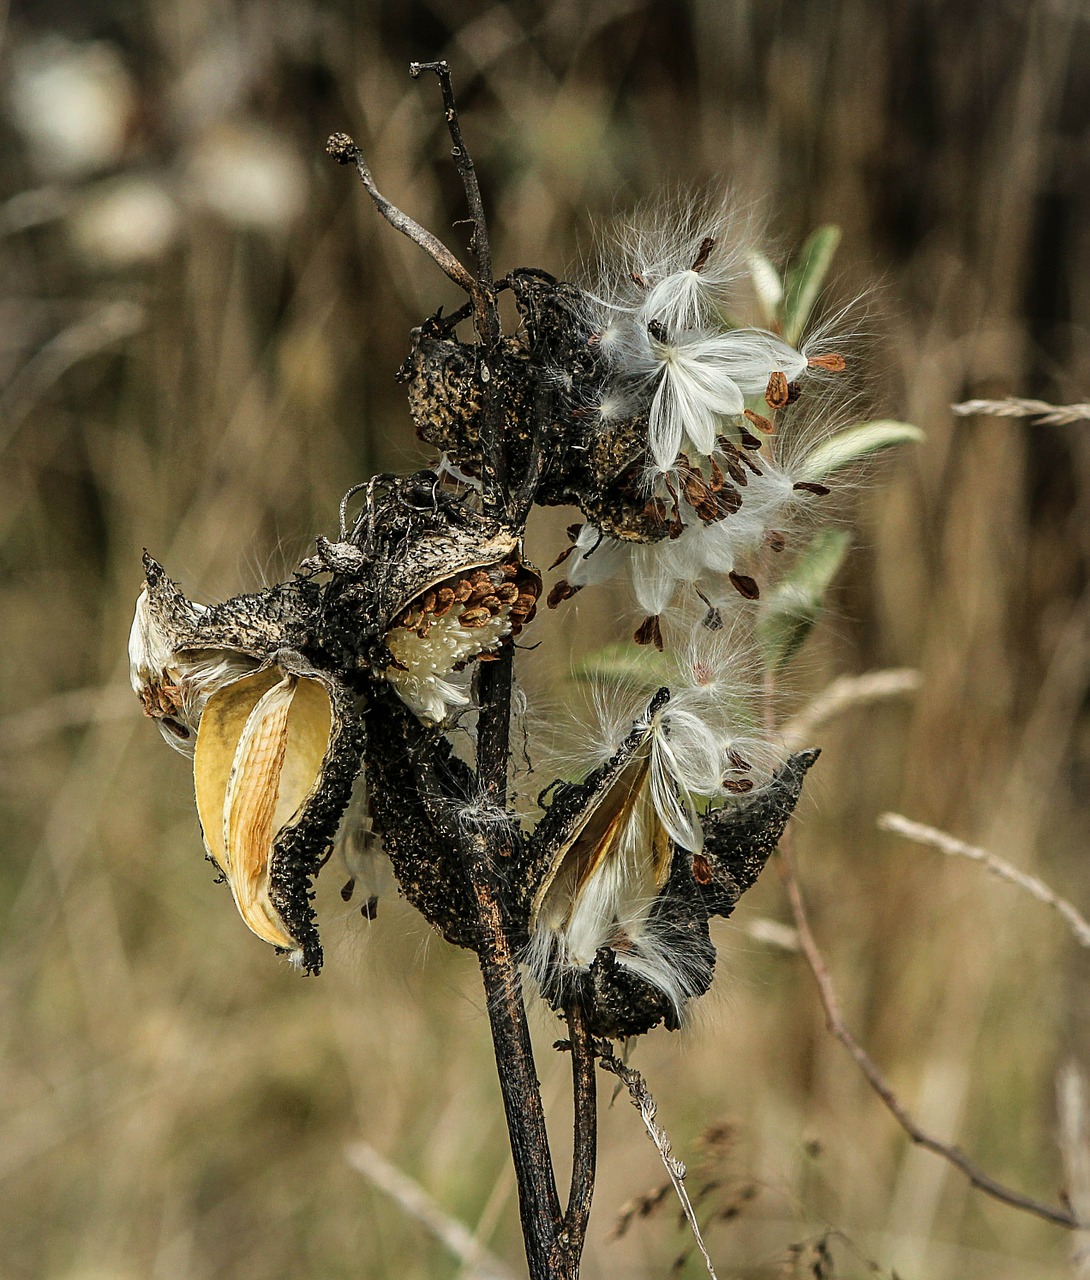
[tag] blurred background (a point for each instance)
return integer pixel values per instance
(201, 319)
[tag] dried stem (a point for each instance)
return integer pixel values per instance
(487, 317)
(641, 1099)
(1051, 415)
(834, 1020)
(844, 693)
(539, 1203)
(412, 1197)
(585, 1155)
(342, 148)
(954, 848)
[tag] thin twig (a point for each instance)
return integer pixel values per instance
(844, 693)
(641, 1099)
(1053, 415)
(954, 848)
(834, 1020)
(585, 1154)
(412, 1197)
(1073, 1117)
(341, 147)
(488, 328)
(486, 315)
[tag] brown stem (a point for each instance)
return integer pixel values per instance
(486, 315)
(539, 1203)
(341, 147)
(834, 1020)
(487, 318)
(573, 1229)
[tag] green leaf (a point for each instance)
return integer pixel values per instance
(794, 605)
(640, 668)
(857, 443)
(768, 287)
(805, 278)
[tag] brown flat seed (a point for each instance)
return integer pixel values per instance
(762, 424)
(444, 598)
(738, 761)
(527, 599)
(736, 473)
(428, 602)
(745, 586)
(696, 491)
(706, 246)
(649, 632)
(561, 591)
(777, 394)
(750, 441)
(481, 581)
(507, 592)
(655, 510)
(491, 603)
(463, 589)
(739, 786)
(475, 617)
(775, 540)
(702, 869)
(834, 362)
(510, 569)
(794, 390)
(811, 486)
(562, 557)
(728, 500)
(574, 530)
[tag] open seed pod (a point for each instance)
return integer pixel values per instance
(277, 752)
(180, 653)
(740, 837)
(462, 616)
(608, 929)
(441, 585)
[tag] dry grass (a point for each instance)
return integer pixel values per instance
(174, 1103)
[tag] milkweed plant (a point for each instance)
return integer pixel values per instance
(363, 708)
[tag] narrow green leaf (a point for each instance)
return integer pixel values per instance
(805, 278)
(790, 610)
(768, 287)
(639, 668)
(857, 443)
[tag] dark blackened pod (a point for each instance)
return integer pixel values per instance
(181, 652)
(740, 837)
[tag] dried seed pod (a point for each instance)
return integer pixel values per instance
(180, 653)
(616, 922)
(740, 837)
(428, 600)
(277, 751)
